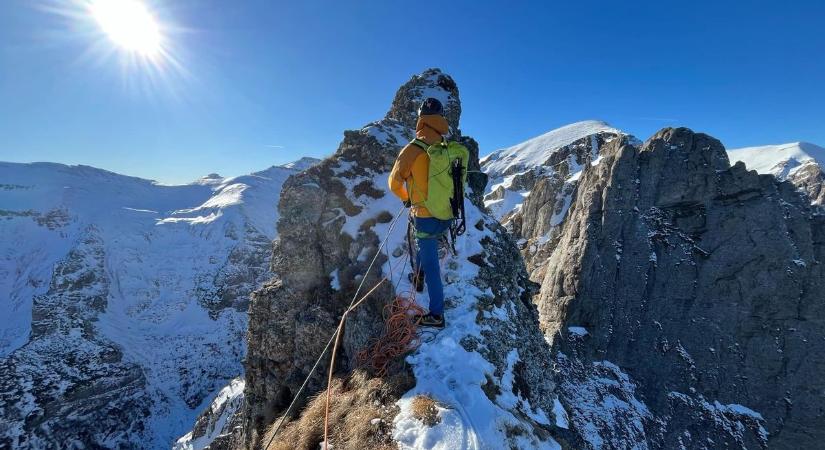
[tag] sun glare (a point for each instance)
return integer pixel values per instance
(129, 24)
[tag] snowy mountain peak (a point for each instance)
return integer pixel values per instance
(560, 155)
(779, 160)
(213, 179)
(800, 163)
(301, 164)
(536, 151)
(430, 83)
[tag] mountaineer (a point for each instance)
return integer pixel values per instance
(429, 177)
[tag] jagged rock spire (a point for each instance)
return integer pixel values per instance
(430, 83)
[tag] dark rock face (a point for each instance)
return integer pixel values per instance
(698, 284)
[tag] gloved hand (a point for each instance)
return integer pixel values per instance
(407, 203)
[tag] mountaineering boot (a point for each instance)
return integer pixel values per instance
(419, 280)
(432, 320)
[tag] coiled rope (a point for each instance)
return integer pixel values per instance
(400, 336)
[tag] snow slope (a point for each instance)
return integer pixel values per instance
(779, 160)
(172, 265)
(446, 371)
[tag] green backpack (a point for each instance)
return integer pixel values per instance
(447, 176)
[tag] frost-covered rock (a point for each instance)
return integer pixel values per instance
(488, 371)
(123, 301)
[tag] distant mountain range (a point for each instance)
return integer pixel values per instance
(124, 301)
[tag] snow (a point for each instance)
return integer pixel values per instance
(562, 420)
(225, 405)
(734, 418)
(738, 409)
(167, 250)
(301, 164)
(389, 132)
(435, 92)
(443, 368)
(578, 331)
(603, 406)
(454, 376)
(536, 151)
(779, 160)
(567, 200)
(511, 202)
(335, 282)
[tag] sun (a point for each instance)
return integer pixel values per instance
(129, 24)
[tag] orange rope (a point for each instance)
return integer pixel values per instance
(401, 317)
(400, 335)
(335, 351)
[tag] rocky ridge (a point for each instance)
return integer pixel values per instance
(680, 297)
(487, 371)
(683, 301)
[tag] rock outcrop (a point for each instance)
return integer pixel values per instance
(214, 428)
(684, 299)
(492, 359)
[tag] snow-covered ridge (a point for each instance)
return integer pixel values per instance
(301, 164)
(514, 171)
(779, 160)
(216, 421)
(171, 268)
(536, 151)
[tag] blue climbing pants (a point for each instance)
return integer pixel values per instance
(428, 230)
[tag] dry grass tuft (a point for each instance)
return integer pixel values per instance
(355, 404)
(424, 409)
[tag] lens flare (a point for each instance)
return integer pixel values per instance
(129, 24)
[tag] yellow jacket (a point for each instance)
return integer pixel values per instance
(410, 174)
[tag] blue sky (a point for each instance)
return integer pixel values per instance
(265, 82)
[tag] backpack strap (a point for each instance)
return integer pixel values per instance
(418, 142)
(424, 146)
